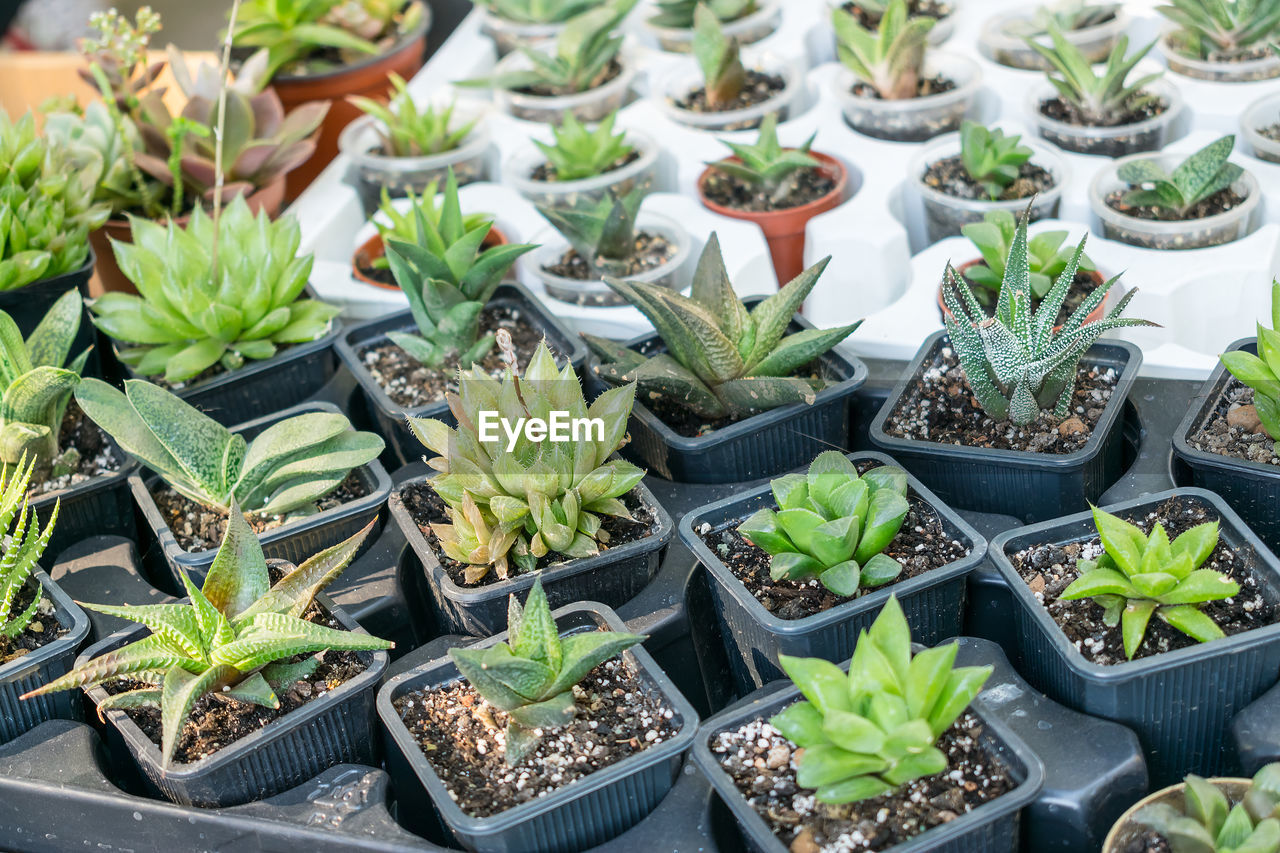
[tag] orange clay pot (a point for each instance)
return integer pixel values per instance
(373, 248)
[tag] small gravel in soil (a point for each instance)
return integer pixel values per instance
(1082, 285)
(807, 185)
(97, 457)
(1059, 110)
(410, 383)
(200, 528)
(1049, 569)
(612, 70)
(949, 176)
(463, 737)
(1271, 132)
(652, 251)
(1234, 429)
(759, 88)
(1219, 202)
(42, 630)
(939, 407)
(762, 764)
(928, 86)
(546, 173)
(915, 9)
(1149, 842)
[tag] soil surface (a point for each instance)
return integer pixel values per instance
(426, 508)
(463, 737)
(1234, 429)
(928, 86)
(1149, 842)
(1059, 110)
(1081, 286)
(939, 407)
(806, 185)
(1271, 132)
(949, 176)
(915, 8)
(97, 456)
(410, 383)
(546, 173)
(762, 764)
(922, 544)
(612, 70)
(1249, 54)
(1219, 202)
(652, 251)
(380, 275)
(200, 528)
(42, 630)
(1049, 569)
(758, 88)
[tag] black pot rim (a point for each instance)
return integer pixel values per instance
(1132, 670)
(95, 483)
(645, 667)
(80, 273)
(402, 44)
(69, 616)
(1018, 458)
(872, 600)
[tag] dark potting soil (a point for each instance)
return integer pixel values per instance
(1220, 202)
(939, 407)
(381, 276)
(1059, 110)
(546, 173)
(928, 86)
(42, 630)
(200, 528)
(1234, 429)
(758, 88)
(915, 8)
(805, 186)
(612, 70)
(463, 737)
(922, 544)
(1149, 842)
(683, 421)
(1271, 132)
(1049, 569)
(949, 176)
(762, 764)
(96, 457)
(1081, 286)
(426, 508)
(410, 383)
(652, 251)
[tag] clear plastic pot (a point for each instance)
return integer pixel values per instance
(1262, 113)
(1262, 68)
(942, 30)
(640, 172)
(913, 119)
(1148, 135)
(999, 44)
(748, 29)
(591, 105)
(945, 214)
(508, 35)
(1153, 234)
(361, 141)
(686, 78)
(594, 292)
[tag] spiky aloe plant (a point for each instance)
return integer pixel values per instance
(1101, 99)
(232, 640)
(722, 360)
(1210, 823)
(1226, 28)
(24, 543)
(888, 59)
(719, 56)
(537, 11)
(766, 166)
(601, 229)
(679, 14)
(581, 153)
(407, 131)
(1195, 179)
(1016, 362)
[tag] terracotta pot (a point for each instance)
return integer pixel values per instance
(1093, 316)
(784, 229)
(109, 278)
(367, 78)
(1126, 830)
(373, 248)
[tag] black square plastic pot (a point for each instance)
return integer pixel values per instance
(1250, 488)
(582, 814)
(1028, 485)
(41, 666)
(294, 541)
(336, 728)
(389, 416)
(100, 506)
(1180, 703)
(933, 601)
(28, 305)
(612, 577)
(990, 828)
(759, 446)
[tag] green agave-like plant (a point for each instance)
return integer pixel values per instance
(396, 225)
(1194, 179)
(766, 165)
(1227, 27)
(537, 11)
(991, 159)
(1209, 823)
(679, 14)
(888, 59)
(1018, 361)
(865, 733)
(287, 468)
(719, 57)
(1142, 575)
(233, 639)
(519, 503)
(1101, 98)
(582, 153)
(193, 311)
(1261, 372)
(531, 676)
(1068, 15)
(24, 543)
(832, 524)
(722, 360)
(407, 131)
(1046, 256)
(601, 229)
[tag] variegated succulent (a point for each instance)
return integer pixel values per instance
(680, 14)
(888, 59)
(1200, 176)
(601, 228)
(1018, 362)
(24, 542)
(286, 468)
(722, 360)
(232, 640)
(537, 11)
(719, 56)
(518, 503)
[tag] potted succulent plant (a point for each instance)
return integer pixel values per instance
(962, 177)
(731, 390)
(593, 528)
(513, 24)
(779, 189)
(1197, 814)
(328, 50)
(1158, 612)
(748, 21)
(1222, 40)
(222, 700)
(1160, 202)
(872, 752)
(1014, 398)
(584, 71)
(1106, 114)
(1260, 124)
(858, 525)
(1091, 28)
(716, 91)
(307, 479)
(892, 87)
(869, 14)
(460, 728)
(399, 147)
